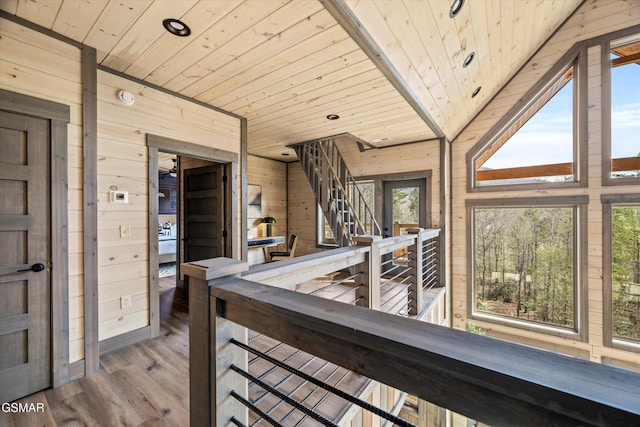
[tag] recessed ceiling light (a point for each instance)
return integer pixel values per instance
(333, 117)
(468, 59)
(476, 91)
(176, 27)
(456, 7)
(383, 139)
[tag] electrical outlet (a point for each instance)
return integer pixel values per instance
(125, 231)
(125, 301)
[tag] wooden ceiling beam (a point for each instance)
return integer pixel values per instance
(352, 25)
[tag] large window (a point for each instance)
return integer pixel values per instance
(622, 270)
(538, 143)
(624, 111)
(525, 262)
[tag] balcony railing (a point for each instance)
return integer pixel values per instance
(489, 380)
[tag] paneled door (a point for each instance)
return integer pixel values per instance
(25, 288)
(203, 213)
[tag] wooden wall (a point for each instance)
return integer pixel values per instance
(36, 65)
(271, 176)
(301, 210)
(122, 163)
(594, 18)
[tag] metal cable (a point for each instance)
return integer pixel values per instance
(337, 392)
(320, 418)
(292, 392)
(254, 408)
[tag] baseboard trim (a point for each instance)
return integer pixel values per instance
(76, 370)
(125, 340)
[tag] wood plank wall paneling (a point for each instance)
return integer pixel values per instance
(591, 20)
(29, 59)
(301, 210)
(122, 164)
(271, 175)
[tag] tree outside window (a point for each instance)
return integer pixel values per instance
(524, 263)
(625, 272)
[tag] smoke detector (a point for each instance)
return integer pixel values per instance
(125, 97)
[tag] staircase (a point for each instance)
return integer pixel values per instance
(341, 200)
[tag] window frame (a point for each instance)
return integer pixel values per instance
(579, 331)
(576, 57)
(608, 202)
(607, 179)
(321, 241)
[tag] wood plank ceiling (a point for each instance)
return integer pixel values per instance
(287, 64)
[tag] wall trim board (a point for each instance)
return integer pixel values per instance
(58, 116)
(76, 370)
(244, 178)
(28, 24)
(124, 340)
(230, 161)
(167, 91)
(90, 207)
(354, 28)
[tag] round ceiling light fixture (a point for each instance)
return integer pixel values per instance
(476, 91)
(333, 117)
(176, 27)
(468, 60)
(456, 7)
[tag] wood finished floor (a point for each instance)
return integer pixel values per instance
(143, 385)
(147, 384)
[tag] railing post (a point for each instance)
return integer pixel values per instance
(368, 290)
(415, 265)
(210, 353)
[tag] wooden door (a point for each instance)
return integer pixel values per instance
(203, 213)
(25, 292)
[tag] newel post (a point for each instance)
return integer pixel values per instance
(210, 354)
(369, 290)
(415, 265)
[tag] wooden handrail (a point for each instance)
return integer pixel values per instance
(556, 169)
(486, 379)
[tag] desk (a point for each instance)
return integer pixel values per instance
(264, 243)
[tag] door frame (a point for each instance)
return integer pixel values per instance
(388, 185)
(229, 160)
(58, 116)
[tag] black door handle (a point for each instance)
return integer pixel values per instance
(35, 267)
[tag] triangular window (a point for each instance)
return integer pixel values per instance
(535, 144)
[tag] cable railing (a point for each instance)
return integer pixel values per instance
(493, 381)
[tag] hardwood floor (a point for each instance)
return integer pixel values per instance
(143, 385)
(147, 384)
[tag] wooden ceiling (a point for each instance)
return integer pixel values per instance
(392, 70)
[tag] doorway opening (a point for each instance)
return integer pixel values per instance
(191, 220)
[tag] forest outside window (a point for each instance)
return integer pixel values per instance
(622, 271)
(623, 63)
(526, 260)
(538, 143)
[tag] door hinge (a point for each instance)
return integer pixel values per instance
(224, 233)
(224, 178)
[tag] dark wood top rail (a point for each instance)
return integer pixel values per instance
(490, 380)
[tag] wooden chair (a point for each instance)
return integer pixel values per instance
(279, 256)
